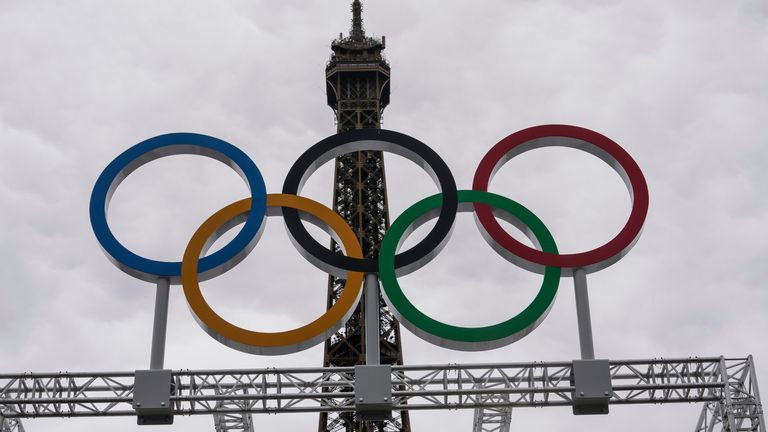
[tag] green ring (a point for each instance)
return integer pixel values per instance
(466, 338)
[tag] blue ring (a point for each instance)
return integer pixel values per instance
(166, 145)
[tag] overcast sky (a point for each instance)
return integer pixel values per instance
(680, 84)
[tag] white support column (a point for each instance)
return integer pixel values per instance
(372, 354)
(582, 315)
(160, 324)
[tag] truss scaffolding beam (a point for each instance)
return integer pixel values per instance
(727, 386)
(10, 425)
(493, 419)
(229, 421)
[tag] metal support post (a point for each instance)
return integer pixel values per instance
(736, 406)
(591, 378)
(153, 388)
(582, 315)
(372, 356)
(373, 381)
(729, 423)
(756, 395)
(160, 324)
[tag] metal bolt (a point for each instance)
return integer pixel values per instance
(386, 399)
(607, 393)
(162, 403)
(138, 403)
(581, 394)
(361, 399)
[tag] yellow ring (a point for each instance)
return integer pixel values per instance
(275, 343)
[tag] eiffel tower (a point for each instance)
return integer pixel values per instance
(357, 87)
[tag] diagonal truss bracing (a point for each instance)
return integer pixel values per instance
(739, 408)
(229, 421)
(493, 419)
(727, 387)
(10, 425)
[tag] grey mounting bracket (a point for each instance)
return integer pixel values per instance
(591, 380)
(152, 391)
(373, 392)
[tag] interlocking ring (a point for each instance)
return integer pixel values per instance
(467, 338)
(381, 140)
(167, 145)
(580, 139)
(278, 342)
(390, 264)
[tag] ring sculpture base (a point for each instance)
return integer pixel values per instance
(373, 392)
(591, 380)
(152, 397)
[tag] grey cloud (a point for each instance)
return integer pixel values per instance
(679, 84)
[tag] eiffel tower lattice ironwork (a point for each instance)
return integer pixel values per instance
(357, 87)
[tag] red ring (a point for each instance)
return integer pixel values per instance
(617, 157)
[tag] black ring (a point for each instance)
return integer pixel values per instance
(370, 140)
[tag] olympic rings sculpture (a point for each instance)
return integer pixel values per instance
(253, 211)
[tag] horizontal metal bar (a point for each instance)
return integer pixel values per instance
(428, 367)
(56, 387)
(342, 395)
(678, 386)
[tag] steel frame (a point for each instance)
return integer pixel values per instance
(10, 425)
(493, 419)
(728, 388)
(739, 408)
(228, 420)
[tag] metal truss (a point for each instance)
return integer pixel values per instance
(728, 388)
(229, 421)
(739, 409)
(10, 425)
(493, 419)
